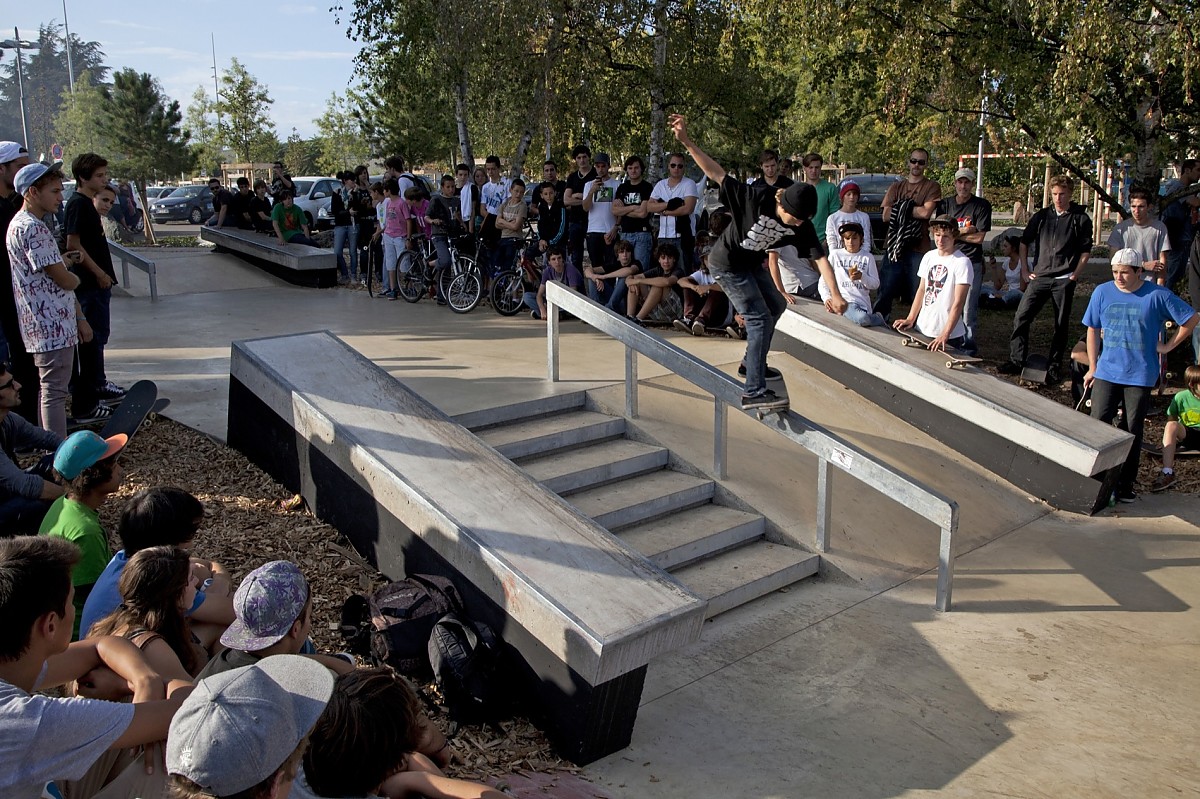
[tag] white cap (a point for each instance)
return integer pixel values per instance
(1127, 257)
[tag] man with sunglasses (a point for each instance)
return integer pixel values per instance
(674, 199)
(25, 496)
(898, 277)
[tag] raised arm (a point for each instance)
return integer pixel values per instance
(711, 168)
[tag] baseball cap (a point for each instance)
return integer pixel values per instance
(601, 158)
(800, 199)
(266, 605)
(11, 151)
(969, 174)
(83, 449)
(1127, 257)
(238, 727)
(848, 185)
(944, 220)
(847, 227)
(28, 175)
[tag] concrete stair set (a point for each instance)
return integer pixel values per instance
(628, 487)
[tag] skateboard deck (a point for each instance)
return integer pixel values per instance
(1036, 370)
(1155, 448)
(139, 407)
(954, 359)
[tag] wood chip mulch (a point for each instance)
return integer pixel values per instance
(250, 519)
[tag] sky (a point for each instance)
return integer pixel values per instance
(293, 48)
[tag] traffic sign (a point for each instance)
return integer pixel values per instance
(56, 152)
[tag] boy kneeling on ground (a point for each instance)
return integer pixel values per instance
(945, 273)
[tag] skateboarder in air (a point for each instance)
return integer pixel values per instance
(945, 274)
(762, 220)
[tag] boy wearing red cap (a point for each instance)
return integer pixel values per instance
(88, 464)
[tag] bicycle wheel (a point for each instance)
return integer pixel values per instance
(507, 292)
(461, 265)
(465, 292)
(411, 284)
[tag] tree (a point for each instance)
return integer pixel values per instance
(79, 126)
(143, 129)
(244, 124)
(45, 77)
(300, 154)
(201, 124)
(341, 140)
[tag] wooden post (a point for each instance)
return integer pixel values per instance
(1046, 186)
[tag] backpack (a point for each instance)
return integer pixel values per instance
(393, 624)
(465, 658)
(418, 184)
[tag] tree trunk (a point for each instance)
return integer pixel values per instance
(658, 111)
(537, 103)
(460, 120)
(1145, 166)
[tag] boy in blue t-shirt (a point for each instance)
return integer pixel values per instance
(1130, 312)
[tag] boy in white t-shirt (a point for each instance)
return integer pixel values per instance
(849, 194)
(857, 276)
(945, 274)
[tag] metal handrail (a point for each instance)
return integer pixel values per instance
(127, 257)
(726, 392)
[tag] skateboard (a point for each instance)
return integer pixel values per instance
(1164, 377)
(139, 408)
(1036, 370)
(954, 359)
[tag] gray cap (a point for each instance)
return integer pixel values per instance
(266, 605)
(28, 175)
(238, 727)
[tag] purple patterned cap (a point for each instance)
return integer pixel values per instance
(267, 604)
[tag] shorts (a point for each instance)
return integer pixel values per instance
(1191, 438)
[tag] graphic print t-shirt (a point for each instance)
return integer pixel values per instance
(45, 312)
(755, 231)
(633, 195)
(942, 274)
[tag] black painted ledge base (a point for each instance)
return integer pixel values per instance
(308, 278)
(584, 722)
(1024, 468)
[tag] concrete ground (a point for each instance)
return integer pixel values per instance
(1068, 667)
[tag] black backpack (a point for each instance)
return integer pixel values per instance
(393, 625)
(418, 184)
(465, 657)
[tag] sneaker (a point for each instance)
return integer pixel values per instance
(1125, 495)
(100, 413)
(1009, 368)
(1162, 482)
(735, 332)
(767, 401)
(111, 391)
(534, 315)
(683, 325)
(636, 321)
(698, 328)
(772, 372)
(1053, 375)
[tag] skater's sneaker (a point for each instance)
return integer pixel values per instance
(110, 392)
(735, 332)
(1125, 495)
(101, 413)
(683, 325)
(698, 328)
(1162, 482)
(767, 401)
(771, 372)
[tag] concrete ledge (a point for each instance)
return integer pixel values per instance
(413, 489)
(296, 263)
(1048, 449)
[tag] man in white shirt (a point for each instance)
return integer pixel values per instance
(674, 199)
(602, 226)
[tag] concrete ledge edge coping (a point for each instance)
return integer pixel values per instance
(295, 256)
(598, 605)
(1056, 432)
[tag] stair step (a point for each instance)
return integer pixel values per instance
(585, 467)
(549, 433)
(538, 406)
(746, 573)
(629, 502)
(690, 535)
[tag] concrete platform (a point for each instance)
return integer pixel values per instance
(1068, 667)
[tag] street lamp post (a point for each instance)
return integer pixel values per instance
(16, 43)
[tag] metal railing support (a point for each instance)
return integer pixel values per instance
(127, 257)
(552, 339)
(824, 504)
(631, 382)
(720, 439)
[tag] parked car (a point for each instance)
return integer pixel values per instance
(184, 204)
(155, 192)
(871, 188)
(313, 196)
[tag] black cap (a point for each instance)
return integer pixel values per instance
(800, 199)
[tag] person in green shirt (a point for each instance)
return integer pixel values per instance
(89, 466)
(827, 193)
(289, 221)
(1182, 428)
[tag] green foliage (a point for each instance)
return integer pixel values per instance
(341, 142)
(143, 129)
(243, 116)
(300, 155)
(200, 122)
(45, 75)
(78, 127)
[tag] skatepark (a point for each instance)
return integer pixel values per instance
(1067, 666)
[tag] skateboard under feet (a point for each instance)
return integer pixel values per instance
(954, 359)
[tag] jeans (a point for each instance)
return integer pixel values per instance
(343, 234)
(90, 375)
(530, 300)
(22, 515)
(1177, 263)
(576, 235)
(1007, 297)
(862, 317)
(612, 296)
(643, 246)
(1196, 343)
(300, 238)
(1106, 398)
(898, 279)
(506, 253)
(442, 245)
(599, 251)
(1041, 290)
(971, 311)
(54, 371)
(755, 297)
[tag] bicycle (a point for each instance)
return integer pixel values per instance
(462, 284)
(413, 272)
(507, 292)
